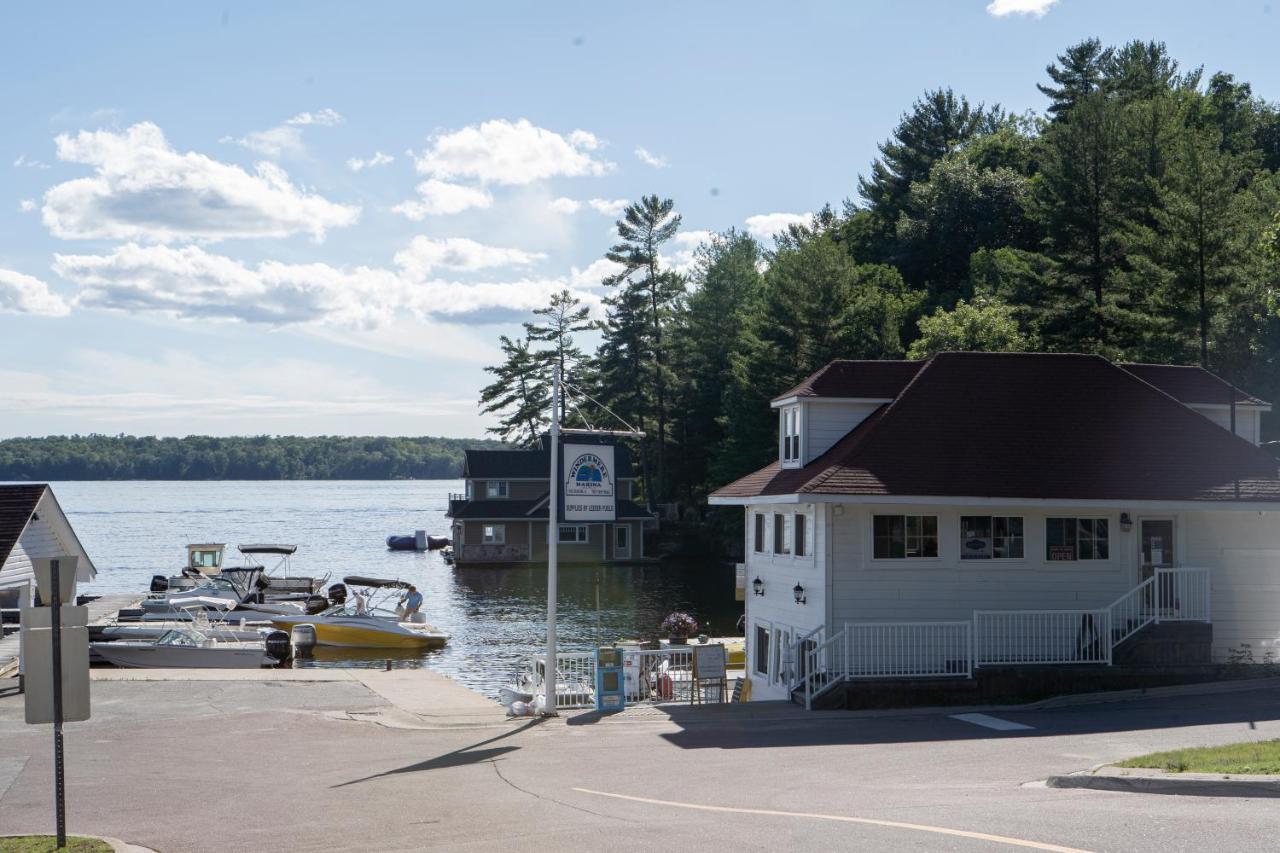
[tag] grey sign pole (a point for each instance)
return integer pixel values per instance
(56, 639)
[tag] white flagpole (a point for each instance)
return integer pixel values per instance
(550, 670)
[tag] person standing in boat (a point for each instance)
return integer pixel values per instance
(411, 602)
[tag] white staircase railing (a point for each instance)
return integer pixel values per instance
(817, 662)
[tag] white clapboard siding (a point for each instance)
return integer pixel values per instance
(948, 588)
(1242, 552)
(827, 423)
(1248, 420)
(37, 540)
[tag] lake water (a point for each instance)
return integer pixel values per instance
(133, 530)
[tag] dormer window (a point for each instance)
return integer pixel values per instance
(789, 430)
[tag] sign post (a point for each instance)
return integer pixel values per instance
(55, 650)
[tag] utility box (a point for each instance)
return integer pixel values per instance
(611, 694)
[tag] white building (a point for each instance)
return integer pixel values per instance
(926, 519)
(32, 526)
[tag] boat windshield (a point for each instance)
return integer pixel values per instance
(351, 608)
(181, 637)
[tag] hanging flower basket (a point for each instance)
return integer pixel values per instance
(679, 627)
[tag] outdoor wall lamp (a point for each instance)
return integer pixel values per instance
(1126, 522)
(758, 585)
(799, 593)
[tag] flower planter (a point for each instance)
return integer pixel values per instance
(679, 641)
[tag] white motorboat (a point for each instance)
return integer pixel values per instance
(185, 647)
(279, 578)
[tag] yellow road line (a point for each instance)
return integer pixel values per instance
(892, 824)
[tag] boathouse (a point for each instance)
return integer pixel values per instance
(932, 519)
(502, 516)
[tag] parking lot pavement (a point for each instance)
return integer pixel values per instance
(291, 775)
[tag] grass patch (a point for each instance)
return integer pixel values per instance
(48, 844)
(1257, 757)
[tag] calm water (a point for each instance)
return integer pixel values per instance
(134, 530)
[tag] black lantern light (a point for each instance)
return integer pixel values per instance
(758, 585)
(799, 593)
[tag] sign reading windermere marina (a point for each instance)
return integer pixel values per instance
(590, 491)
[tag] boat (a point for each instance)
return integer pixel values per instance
(279, 578)
(361, 623)
(419, 541)
(186, 647)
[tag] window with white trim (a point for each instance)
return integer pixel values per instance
(494, 534)
(790, 432)
(573, 533)
(1068, 539)
(800, 535)
(991, 537)
(904, 537)
(759, 532)
(780, 543)
(497, 489)
(761, 650)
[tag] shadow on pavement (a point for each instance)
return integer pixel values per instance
(729, 727)
(458, 758)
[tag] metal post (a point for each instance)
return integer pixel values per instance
(56, 637)
(553, 541)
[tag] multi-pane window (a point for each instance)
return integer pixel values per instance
(762, 650)
(759, 533)
(780, 545)
(791, 434)
(494, 534)
(991, 537)
(497, 488)
(897, 537)
(801, 545)
(1077, 539)
(573, 533)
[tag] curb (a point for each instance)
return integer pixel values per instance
(1193, 787)
(1200, 688)
(116, 844)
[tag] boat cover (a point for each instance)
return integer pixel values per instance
(283, 550)
(357, 580)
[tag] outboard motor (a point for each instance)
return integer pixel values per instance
(159, 583)
(338, 593)
(316, 604)
(303, 639)
(277, 643)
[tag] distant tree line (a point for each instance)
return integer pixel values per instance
(199, 457)
(1138, 217)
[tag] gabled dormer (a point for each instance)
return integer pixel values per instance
(1207, 394)
(819, 411)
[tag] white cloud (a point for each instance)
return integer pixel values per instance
(1037, 8)
(650, 159)
(27, 205)
(23, 163)
(143, 189)
(766, 225)
(424, 254)
(609, 207)
(440, 198)
(24, 294)
(594, 274)
(285, 138)
(355, 164)
(565, 205)
(686, 244)
(511, 153)
(191, 283)
(324, 118)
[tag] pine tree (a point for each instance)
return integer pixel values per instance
(1082, 71)
(565, 317)
(644, 227)
(520, 394)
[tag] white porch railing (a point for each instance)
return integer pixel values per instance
(1183, 595)
(908, 649)
(1020, 637)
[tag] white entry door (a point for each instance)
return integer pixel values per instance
(622, 542)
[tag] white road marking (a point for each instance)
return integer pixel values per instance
(990, 722)
(891, 824)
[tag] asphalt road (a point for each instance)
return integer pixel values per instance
(230, 766)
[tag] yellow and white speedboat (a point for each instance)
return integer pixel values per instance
(358, 624)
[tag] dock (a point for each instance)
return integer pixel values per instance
(101, 610)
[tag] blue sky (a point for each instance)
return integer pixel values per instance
(317, 218)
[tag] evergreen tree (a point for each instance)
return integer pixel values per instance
(1078, 73)
(644, 227)
(565, 316)
(519, 395)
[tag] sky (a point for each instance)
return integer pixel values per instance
(317, 218)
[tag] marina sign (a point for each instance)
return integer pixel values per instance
(590, 490)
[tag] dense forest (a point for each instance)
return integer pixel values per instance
(122, 457)
(1137, 216)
